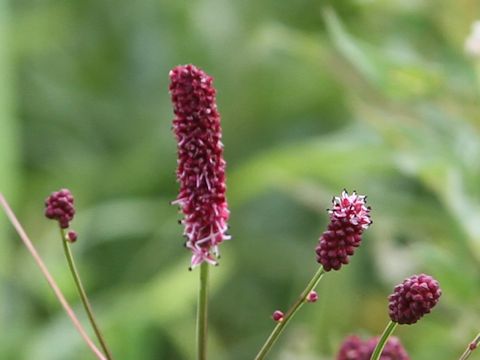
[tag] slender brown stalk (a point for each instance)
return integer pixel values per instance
(58, 293)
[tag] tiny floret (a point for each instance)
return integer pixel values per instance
(60, 206)
(351, 208)
(72, 236)
(201, 166)
(413, 298)
(312, 296)
(277, 316)
(349, 217)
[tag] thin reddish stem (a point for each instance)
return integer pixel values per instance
(58, 293)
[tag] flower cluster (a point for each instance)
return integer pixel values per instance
(60, 206)
(201, 167)
(354, 348)
(349, 217)
(413, 298)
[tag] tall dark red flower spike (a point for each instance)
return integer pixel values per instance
(413, 298)
(201, 167)
(60, 206)
(349, 217)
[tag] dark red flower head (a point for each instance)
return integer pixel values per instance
(201, 167)
(393, 349)
(349, 217)
(59, 206)
(413, 298)
(354, 348)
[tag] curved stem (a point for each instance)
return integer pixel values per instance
(472, 346)
(289, 315)
(83, 295)
(383, 340)
(43, 268)
(202, 312)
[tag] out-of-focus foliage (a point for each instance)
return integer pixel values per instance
(376, 96)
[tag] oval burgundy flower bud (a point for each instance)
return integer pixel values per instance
(201, 167)
(72, 236)
(278, 315)
(413, 298)
(312, 296)
(349, 217)
(60, 206)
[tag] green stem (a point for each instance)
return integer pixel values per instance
(289, 315)
(477, 73)
(202, 312)
(472, 346)
(383, 340)
(83, 295)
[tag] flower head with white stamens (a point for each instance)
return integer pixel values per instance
(352, 208)
(201, 167)
(349, 217)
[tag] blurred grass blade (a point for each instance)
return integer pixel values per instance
(8, 169)
(349, 48)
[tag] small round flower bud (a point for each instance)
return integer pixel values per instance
(472, 346)
(349, 217)
(72, 236)
(413, 298)
(59, 206)
(278, 315)
(312, 296)
(393, 349)
(352, 348)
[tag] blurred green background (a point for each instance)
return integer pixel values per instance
(315, 96)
